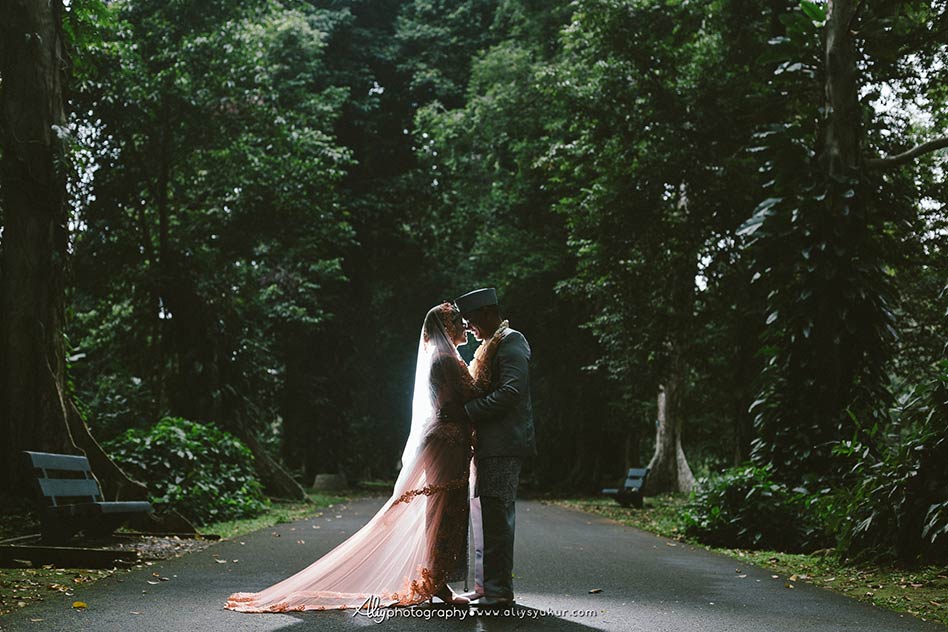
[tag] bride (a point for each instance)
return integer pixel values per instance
(417, 542)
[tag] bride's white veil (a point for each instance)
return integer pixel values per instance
(390, 557)
(433, 343)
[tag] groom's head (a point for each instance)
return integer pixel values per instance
(480, 311)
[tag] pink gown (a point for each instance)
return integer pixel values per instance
(418, 540)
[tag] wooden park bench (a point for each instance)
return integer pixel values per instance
(631, 492)
(76, 501)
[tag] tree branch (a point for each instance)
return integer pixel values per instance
(898, 159)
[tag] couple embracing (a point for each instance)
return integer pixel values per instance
(417, 542)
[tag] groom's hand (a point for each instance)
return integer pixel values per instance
(453, 411)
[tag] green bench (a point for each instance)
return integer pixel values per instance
(631, 492)
(75, 499)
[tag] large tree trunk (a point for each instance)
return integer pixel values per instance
(841, 128)
(633, 441)
(747, 368)
(669, 470)
(36, 412)
(33, 185)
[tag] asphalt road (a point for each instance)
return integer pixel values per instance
(647, 585)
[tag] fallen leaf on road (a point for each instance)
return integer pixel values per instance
(775, 576)
(221, 561)
(788, 585)
(742, 576)
(301, 541)
(80, 604)
(671, 544)
(793, 577)
(134, 612)
(35, 620)
(595, 590)
(153, 583)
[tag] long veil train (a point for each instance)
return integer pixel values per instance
(391, 556)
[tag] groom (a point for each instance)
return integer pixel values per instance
(503, 423)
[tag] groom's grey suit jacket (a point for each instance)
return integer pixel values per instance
(503, 419)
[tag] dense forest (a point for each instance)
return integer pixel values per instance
(721, 224)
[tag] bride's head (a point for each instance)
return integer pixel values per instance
(444, 325)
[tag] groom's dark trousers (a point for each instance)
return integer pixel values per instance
(498, 518)
(493, 515)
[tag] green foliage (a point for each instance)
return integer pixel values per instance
(490, 194)
(897, 504)
(204, 473)
(826, 245)
(437, 41)
(819, 255)
(745, 507)
(269, 194)
(212, 233)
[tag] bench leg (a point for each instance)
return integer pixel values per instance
(55, 531)
(103, 526)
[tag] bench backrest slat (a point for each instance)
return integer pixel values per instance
(57, 487)
(65, 462)
(53, 486)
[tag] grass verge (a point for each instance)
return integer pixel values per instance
(922, 592)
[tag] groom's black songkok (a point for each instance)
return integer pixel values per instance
(476, 299)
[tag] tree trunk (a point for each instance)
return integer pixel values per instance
(163, 306)
(747, 368)
(668, 469)
(632, 456)
(841, 129)
(34, 237)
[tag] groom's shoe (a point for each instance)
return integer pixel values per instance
(471, 596)
(492, 603)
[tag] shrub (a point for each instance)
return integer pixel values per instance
(198, 469)
(897, 507)
(743, 507)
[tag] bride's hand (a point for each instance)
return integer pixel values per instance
(453, 411)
